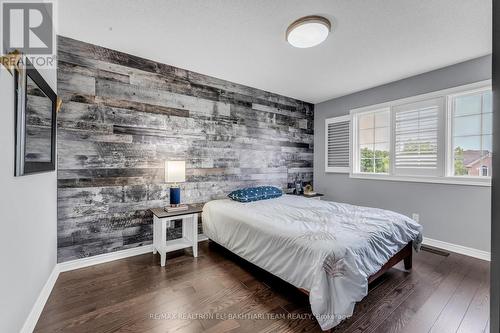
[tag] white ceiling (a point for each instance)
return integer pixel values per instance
(373, 41)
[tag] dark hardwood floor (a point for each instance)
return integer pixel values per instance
(218, 292)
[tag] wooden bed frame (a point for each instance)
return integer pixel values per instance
(405, 254)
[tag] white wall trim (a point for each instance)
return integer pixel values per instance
(468, 181)
(112, 256)
(467, 251)
(103, 258)
(36, 310)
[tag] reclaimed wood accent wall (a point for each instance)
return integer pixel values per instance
(123, 116)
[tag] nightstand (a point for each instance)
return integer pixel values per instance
(163, 220)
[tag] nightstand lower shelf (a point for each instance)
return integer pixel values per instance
(177, 244)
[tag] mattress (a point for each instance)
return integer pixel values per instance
(327, 248)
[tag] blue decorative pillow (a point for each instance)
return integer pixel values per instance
(255, 193)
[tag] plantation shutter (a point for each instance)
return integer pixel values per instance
(418, 138)
(337, 144)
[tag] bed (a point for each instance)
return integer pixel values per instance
(329, 250)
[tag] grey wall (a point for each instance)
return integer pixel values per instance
(29, 232)
(456, 214)
(123, 116)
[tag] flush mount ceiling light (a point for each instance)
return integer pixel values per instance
(308, 31)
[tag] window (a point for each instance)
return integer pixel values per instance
(337, 144)
(373, 141)
(471, 137)
(417, 138)
(484, 171)
(443, 137)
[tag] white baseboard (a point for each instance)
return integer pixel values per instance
(103, 258)
(36, 310)
(107, 257)
(467, 251)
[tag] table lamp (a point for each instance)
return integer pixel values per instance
(175, 172)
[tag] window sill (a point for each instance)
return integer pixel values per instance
(433, 180)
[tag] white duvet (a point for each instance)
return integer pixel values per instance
(327, 248)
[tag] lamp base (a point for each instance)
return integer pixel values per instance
(175, 196)
(179, 208)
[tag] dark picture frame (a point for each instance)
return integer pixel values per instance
(24, 73)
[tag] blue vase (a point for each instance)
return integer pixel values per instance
(175, 196)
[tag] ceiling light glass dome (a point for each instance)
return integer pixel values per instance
(308, 31)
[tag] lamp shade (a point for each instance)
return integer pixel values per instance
(175, 171)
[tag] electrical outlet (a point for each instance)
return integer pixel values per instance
(415, 216)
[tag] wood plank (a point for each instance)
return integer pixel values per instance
(450, 318)
(395, 296)
(429, 313)
(433, 269)
(271, 109)
(122, 296)
(76, 83)
(138, 94)
(123, 116)
(74, 51)
(180, 276)
(68, 67)
(477, 314)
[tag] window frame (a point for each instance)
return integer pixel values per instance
(355, 160)
(445, 131)
(440, 142)
(449, 133)
(333, 120)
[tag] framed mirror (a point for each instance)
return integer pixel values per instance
(35, 122)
